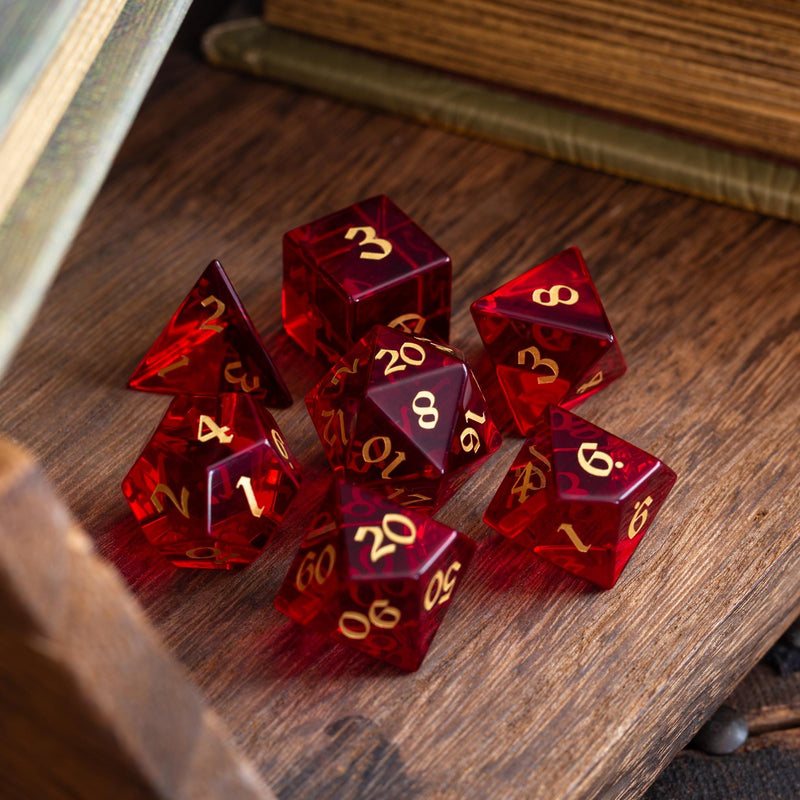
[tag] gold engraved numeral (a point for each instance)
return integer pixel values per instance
(280, 445)
(182, 505)
(538, 361)
(408, 323)
(598, 463)
(246, 485)
(370, 238)
(574, 538)
(210, 554)
(315, 567)
(183, 361)
(345, 370)
(441, 586)
(410, 353)
(553, 295)
(640, 517)
(378, 550)
(222, 434)
(386, 450)
(329, 432)
(428, 414)
(247, 383)
(470, 440)
(593, 381)
(524, 485)
(209, 324)
(399, 491)
(355, 625)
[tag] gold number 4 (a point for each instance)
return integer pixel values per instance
(370, 238)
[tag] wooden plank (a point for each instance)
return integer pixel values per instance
(45, 214)
(536, 686)
(768, 700)
(92, 704)
(725, 70)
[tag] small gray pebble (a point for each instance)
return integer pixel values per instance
(723, 733)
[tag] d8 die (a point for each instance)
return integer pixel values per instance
(366, 264)
(404, 416)
(213, 482)
(580, 497)
(548, 337)
(375, 576)
(210, 346)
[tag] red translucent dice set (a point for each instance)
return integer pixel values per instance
(403, 423)
(374, 576)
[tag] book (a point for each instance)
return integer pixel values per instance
(508, 117)
(72, 76)
(724, 70)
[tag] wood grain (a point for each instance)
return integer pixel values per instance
(725, 69)
(536, 686)
(92, 705)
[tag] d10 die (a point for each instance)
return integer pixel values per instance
(374, 575)
(404, 416)
(209, 347)
(213, 482)
(580, 497)
(548, 337)
(366, 264)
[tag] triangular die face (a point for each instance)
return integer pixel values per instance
(606, 370)
(525, 493)
(592, 463)
(384, 541)
(210, 346)
(378, 451)
(557, 293)
(424, 405)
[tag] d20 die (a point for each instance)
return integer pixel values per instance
(579, 496)
(368, 263)
(549, 338)
(213, 483)
(210, 346)
(404, 416)
(375, 576)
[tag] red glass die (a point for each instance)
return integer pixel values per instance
(210, 346)
(375, 576)
(404, 416)
(368, 263)
(214, 481)
(579, 496)
(549, 338)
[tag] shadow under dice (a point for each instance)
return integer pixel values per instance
(375, 576)
(579, 496)
(404, 416)
(213, 483)
(366, 264)
(549, 338)
(210, 346)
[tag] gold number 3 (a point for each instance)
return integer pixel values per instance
(370, 238)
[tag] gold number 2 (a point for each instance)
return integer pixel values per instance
(209, 324)
(182, 505)
(370, 238)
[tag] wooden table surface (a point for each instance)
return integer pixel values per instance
(536, 685)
